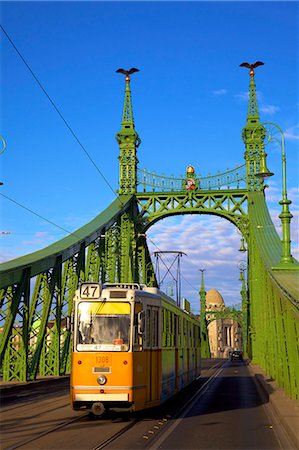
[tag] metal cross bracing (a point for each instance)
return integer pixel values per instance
(229, 204)
(36, 291)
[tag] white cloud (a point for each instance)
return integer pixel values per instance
(218, 92)
(244, 96)
(40, 239)
(210, 243)
(270, 110)
(292, 133)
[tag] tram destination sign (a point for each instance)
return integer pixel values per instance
(90, 290)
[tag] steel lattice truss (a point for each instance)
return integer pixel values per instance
(37, 290)
(231, 204)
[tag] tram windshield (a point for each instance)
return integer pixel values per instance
(103, 326)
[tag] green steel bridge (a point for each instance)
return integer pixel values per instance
(36, 290)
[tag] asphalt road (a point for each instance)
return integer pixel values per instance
(224, 409)
(230, 413)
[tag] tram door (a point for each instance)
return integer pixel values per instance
(153, 353)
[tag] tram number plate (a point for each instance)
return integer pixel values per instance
(103, 359)
(90, 290)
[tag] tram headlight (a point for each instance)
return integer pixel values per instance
(102, 379)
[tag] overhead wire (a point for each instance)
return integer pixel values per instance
(57, 110)
(66, 124)
(147, 237)
(39, 215)
(75, 137)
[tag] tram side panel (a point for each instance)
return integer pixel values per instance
(180, 350)
(147, 356)
(169, 364)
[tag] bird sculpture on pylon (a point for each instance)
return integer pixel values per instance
(127, 72)
(252, 66)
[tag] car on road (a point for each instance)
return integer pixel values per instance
(236, 354)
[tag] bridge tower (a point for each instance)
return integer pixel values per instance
(128, 141)
(253, 135)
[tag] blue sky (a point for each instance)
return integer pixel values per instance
(189, 103)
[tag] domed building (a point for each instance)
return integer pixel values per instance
(225, 335)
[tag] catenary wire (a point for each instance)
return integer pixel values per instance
(38, 215)
(147, 237)
(58, 111)
(74, 234)
(75, 137)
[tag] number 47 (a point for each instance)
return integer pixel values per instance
(90, 290)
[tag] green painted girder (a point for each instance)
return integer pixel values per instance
(34, 339)
(230, 204)
(11, 272)
(269, 247)
(273, 308)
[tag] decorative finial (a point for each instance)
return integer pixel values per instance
(252, 66)
(127, 72)
(190, 169)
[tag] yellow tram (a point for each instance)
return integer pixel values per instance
(133, 348)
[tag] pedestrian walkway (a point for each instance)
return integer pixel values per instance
(286, 409)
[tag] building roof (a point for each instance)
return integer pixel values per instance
(213, 297)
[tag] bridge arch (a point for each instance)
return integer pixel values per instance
(153, 207)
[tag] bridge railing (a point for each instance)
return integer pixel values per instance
(150, 181)
(274, 302)
(36, 296)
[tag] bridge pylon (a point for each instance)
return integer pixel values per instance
(128, 141)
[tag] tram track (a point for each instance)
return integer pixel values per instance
(51, 430)
(26, 404)
(163, 424)
(108, 441)
(146, 426)
(185, 409)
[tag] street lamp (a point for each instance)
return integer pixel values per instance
(286, 261)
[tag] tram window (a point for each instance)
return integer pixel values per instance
(166, 328)
(175, 330)
(172, 329)
(171, 337)
(185, 333)
(152, 327)
(180, 331)
(139, 325)
(148, 328)
(164, 335)
(103, 326)
(169, 329)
